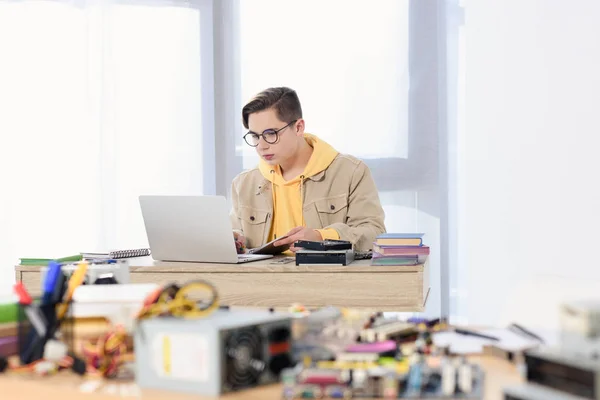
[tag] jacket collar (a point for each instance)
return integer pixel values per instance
(317, 177)
(262, 187)
(265, 185)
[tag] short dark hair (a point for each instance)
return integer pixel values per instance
(284, 100)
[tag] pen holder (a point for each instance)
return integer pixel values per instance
(37, 323)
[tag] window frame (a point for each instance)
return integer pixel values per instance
(424, 170)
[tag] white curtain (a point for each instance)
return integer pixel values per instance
(99, 102)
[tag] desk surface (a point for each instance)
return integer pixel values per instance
(266, 283)
(272, 265)
(499, 373)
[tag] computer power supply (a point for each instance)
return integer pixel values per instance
(229, 350)
(532, 391)
(564, 372)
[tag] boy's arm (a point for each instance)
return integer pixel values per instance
(365, 214)
(236, 222)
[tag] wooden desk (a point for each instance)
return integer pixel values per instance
(499, 374)
(266, 284)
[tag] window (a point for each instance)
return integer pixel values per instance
(51, 148)
(369, 76)
(157, 110)
(104, 101)
(328, 51)
(101, 102)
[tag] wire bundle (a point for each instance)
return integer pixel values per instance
(175, 300)
(108, 354)
(44, 367)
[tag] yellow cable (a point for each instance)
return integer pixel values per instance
(180, 305)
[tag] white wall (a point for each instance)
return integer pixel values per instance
(529, 158)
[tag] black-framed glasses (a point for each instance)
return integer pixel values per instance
(270, 136)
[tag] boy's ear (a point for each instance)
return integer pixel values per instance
(299, 127)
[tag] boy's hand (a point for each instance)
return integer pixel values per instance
(299, 233)
(240, 243)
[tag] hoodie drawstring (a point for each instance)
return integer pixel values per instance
(302, 199)
(273, 201)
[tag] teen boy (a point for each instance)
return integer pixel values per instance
(302, 187)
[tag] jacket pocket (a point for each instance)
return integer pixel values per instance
(332, 210)
(254, 222)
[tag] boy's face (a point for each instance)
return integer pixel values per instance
(287, 141)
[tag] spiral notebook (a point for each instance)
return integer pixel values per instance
(117, 254)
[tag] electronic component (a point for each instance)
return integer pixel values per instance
(179, 301)
(43, 367)
(375, 382)
(320, 377)
(433, 382)
(55, 350)
(390, 385)
(3, 364)
(582, 318)
(325, 245)
(119, 272)
(79, 366)
(382, 349)
(580, 328)
(337, 392)
(378, 380)
(528, 391)
(118, 304)
(415, 378)
(449, 382)
(363, 255)
(107, 357)
(228, 350)
(357, 357)
(283, 260)
(564, 372)
(448, 378)
(389, 331)
(106, 279)
(465, 377)
(340, 257)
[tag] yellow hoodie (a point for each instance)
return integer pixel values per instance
(288, 196)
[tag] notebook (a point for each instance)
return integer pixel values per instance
(116, 254)
(400, 239)
(9, 312)
(46, 261)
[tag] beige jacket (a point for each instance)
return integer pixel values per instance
(342, 197)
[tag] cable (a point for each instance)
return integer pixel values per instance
(174, 300)
(106, 356)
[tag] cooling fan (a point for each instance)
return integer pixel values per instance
(244, 358)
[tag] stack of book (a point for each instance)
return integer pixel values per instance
(9, 341)
(399, 249)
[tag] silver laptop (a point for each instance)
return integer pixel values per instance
(191, 228)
